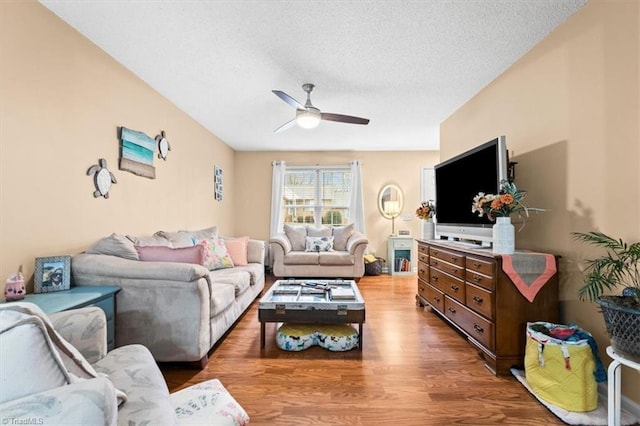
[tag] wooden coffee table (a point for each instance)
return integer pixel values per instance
(307, 302)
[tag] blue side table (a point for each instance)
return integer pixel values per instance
(80, 297)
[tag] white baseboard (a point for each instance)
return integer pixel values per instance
(626, 404)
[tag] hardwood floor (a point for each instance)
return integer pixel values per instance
(413, 370)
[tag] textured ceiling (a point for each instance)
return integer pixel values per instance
(405, 65)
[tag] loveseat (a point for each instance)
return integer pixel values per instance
(308, 251)
(173, 300)
(56, 371)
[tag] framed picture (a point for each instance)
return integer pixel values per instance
(218, 183)
(52, 274)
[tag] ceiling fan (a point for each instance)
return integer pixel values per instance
(308, 116)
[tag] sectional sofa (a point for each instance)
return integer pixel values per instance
(173, 301)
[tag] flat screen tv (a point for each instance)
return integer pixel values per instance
(461, 178)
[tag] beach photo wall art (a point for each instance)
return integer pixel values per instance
(136, 153)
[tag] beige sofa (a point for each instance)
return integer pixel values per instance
(305, 252)
(178, 310)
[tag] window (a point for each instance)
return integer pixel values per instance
(319, 196)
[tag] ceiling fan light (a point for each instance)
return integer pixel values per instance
(307, 119)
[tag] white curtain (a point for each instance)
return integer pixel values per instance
(277, 186)
(357, 200)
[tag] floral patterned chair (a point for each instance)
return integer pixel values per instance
(56, 370)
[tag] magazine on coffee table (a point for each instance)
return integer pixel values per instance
(342, 293)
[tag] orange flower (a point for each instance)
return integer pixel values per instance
(506, 199)
(496, 204)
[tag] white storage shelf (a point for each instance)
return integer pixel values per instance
(400, 255)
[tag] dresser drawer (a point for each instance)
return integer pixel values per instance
(480, 280)
(435, 298)
(447, 256)
(423, 257)
(480, 300)
(482, 266)
(402, 243)
(476, 326)
(449, 268)
(422, 249)
(423, 271)
(447, 284)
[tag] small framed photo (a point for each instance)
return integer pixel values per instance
(52, 274)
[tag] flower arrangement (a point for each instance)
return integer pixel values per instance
(426, 210)
(506, 203)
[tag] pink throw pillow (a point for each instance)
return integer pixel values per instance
(194, 254)
(237, 249)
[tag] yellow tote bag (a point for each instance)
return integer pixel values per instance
(560, 372)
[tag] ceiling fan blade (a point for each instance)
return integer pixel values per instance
(344, 118)
(285, 126)
(288, 99)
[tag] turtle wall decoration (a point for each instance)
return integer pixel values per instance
(102, 178)
(163, 146)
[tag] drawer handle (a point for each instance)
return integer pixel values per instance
(455, 271)
(453, 258)
(421, 288)
(434, 278)
(477, 278)
(455, 287)
(435, 262)
(477, 264)
(436, 298)
(477, 328)
(422, 271)
(453, 311)
(477, 299)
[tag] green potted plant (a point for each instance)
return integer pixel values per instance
(618, 267)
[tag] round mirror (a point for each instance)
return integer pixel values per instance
(390, 201)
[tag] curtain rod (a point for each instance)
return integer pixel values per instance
(315, 166)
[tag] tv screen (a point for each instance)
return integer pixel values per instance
(461, 178)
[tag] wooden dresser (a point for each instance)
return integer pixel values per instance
(468, 288)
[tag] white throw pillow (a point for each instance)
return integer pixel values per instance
(114, 245)
(296, 236)
(341, 235)
(318, 232)
(153, 240)
(54, 352)
(178, 239)
(319, 244)
(31, 364)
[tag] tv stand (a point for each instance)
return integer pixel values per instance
(468, 289)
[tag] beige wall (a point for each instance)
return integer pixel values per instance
(253, 172)
(61, 102)
(570, 112)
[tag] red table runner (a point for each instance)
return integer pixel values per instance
(529, 271)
